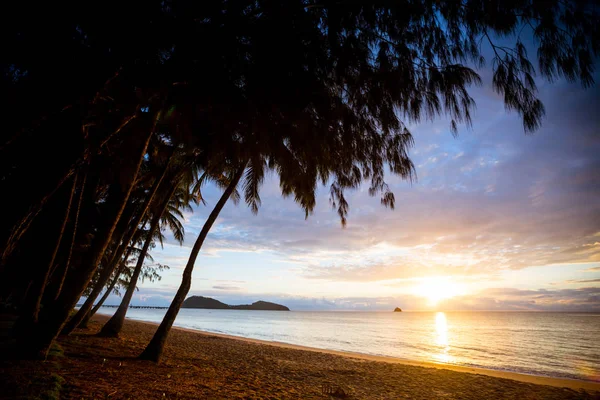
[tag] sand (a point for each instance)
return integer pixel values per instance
(199, 365)
(538, 380)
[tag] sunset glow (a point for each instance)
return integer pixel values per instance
(484, 237)
(497, 220)
(437, 289)
(300, 200)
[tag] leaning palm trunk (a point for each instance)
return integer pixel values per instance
(116, 260)
(155, 348)
(31, 308)
(113, 327)
(105, 275)
(60, 272)
(122, 263)
(50, 324)
(109, 289)
(110, 268)
(22, 225)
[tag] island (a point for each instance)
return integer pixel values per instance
(212, 304)
(397, 309)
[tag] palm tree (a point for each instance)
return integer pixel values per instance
(330, 106)
(166, 212)
(114, 325)
(173, 215)
(110, 267)
(109, 289)
(31, 309)
(62, 272)
(155, 348)
(37, 343)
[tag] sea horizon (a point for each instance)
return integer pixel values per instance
(374, 311)
(540, 343)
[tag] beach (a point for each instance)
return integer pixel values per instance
(199, 365)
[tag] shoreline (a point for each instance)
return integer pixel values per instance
(204, 365)
(574, 384)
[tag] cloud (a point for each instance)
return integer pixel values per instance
(226, 287)
(583, 281)
(582, 299)
(544, 208)
(395, 268)
(491, 200)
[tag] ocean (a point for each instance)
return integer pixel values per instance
(563, 345)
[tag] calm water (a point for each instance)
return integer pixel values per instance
(552, 344)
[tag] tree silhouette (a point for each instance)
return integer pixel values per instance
(320, 92)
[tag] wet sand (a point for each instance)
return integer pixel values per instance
(199, 365)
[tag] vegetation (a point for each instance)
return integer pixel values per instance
(53, 393)
(55, 351)
(111, 128)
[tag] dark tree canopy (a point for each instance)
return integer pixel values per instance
(340, 78)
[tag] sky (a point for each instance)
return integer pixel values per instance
(496, 220)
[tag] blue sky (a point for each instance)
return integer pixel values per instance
(497, 220)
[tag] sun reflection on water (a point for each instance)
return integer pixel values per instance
(441, 338)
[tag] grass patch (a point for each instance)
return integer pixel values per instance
(56, 350)
(54, 387)
(39, 387)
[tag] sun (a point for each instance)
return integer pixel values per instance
(437, 289)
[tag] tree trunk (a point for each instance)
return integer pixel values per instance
(113, 327)
(89, 301)
(52, 321)
(63, 227)
(105, 275)
(86, 319)
(122, 261)
(155, 348)
(63, 270)
(22, 225)
(30, 311)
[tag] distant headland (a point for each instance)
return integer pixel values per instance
(212, 304)
(397, 309)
